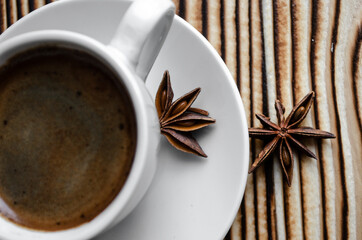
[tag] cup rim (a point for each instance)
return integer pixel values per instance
(23, 42)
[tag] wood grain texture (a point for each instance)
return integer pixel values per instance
(301, 84)
(257, 74)
(281, 49)
(319, 51)
(3, 17)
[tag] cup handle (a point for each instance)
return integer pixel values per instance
(142, 32)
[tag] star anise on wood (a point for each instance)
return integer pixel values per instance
(285, 132)
(178, 119)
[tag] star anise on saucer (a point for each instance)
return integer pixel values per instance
(285, 132)
(178, 119)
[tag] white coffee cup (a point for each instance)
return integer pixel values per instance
(130, 55)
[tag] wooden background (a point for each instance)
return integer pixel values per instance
(282, 50)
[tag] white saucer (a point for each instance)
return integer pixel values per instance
(190, 197)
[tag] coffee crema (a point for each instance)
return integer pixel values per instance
(67, 138)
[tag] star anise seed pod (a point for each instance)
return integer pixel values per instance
(178, 119)
(285, 132)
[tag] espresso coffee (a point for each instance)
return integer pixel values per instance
(67, 138)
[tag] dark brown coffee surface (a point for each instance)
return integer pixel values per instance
(67, 138)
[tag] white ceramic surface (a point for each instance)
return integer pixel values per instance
(190, 197)
(148, 137)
